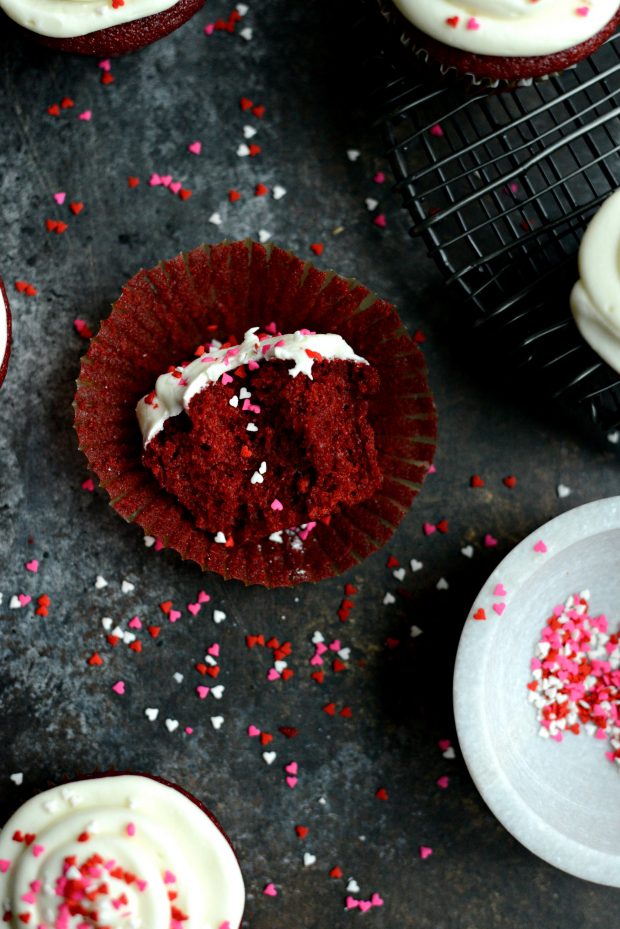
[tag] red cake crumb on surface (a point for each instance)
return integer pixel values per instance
(313, 435)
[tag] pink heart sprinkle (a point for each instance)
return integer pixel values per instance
(226, 379)
(4, 865)
(60, 198)
(271, 328)
(155, 180)
(253, 365)
(142, 885)
(499, 608)
(582, 10)
(105, 65)
(195, 148)
(500, 591)
(193, 608)
(429, 528)
(203, 597)
(425, 851)
(189, 730)
(135, 623)
(276, 505)
(173, 615)
(24, 599)
(316, 660)
(379, 177)
(270, 890)
(380, 220)
(88, 485)
(169, 878)
(473, 23)
(86, 115)
(272, 675)
(291, 767)
(158, 545)
(365, 905)
(489, 541)
(175, 187)
(202, 691)
(443, 781)
(119, 688)
(32, 566)
(321, 648)
(37, 850)
(166, 179)
(253, 731)
(209, 29)
(36, 886)
(214, 650)
(131, 829)
(444, 744)
(541, 547)
(335, 645)
(436, 130)
(291, 781)
(376, 900)
(351, 903)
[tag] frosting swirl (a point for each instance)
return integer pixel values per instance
(65, 19)
(117, 852)
(595, 298)
(175, 389)
(519, 28)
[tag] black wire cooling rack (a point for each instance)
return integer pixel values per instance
(501, 187)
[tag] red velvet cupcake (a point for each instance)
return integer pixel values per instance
(502, 42)
(5, 332)
(106, 28)
(267, 420)
(127, 849)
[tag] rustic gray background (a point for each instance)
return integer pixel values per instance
(59, 717)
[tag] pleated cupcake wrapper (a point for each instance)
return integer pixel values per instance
(160, 318)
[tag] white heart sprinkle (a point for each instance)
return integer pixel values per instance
(14, 603)
(442, 584)
(371, 203)
(257, 478)
(263, 467)
(399, 574)
(209, 659)
(220, 538)
(234, 401)
(127, 587)
(344, 653)
(246, 33)
(243, 150)
(317, 637)
(415, 632)
(118, 632)
(151, 712)
(100, 582)
(219, 616)
(563, 491)
(263, 235)
(415, 565)
(252, 427)
(129, 637)
(242, 9)
(17, 779)
(216, 219)
(468, 551)
(353, 887)
(278, 191)
(172, 724)
(244, 394)
(249, 132)
(280, 666)
(178, 677)
(269, 757)
(450, 754)
(613, 437)
(217, 691)
(276, 537)
(388, 599)
(149, 541)
(352, 154)
(309, 859)
(217, 722)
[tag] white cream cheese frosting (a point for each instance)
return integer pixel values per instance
(130, 852)
(519, 28)
(66, 19)
(4, 329)
(175, 390)
(595, 298)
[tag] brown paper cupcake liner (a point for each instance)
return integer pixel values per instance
(220, 291)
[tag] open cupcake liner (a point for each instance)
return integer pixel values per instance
(220, 291)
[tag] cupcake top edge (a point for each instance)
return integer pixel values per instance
(510, 28)
(118, 851)
(68, 19)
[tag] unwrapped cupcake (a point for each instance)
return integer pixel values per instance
(268, 420)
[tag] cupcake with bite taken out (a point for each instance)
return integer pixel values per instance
(268, 420)
(502, 42)
(117, 851)
(105, 28)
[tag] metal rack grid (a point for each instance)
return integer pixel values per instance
(501, 187)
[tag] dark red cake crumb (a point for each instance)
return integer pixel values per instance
(313, 435)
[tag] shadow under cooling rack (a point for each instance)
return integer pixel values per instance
(501, 187)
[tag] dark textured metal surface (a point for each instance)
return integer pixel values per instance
(59, 717)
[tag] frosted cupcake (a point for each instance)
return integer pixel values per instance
(99, 27)
(118, 851)
(503, 41)
(268, 420)
(595, 298)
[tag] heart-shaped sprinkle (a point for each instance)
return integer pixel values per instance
(119, 688)
(195, 148)
(270, 890)
(541, 547)
(193, 608)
